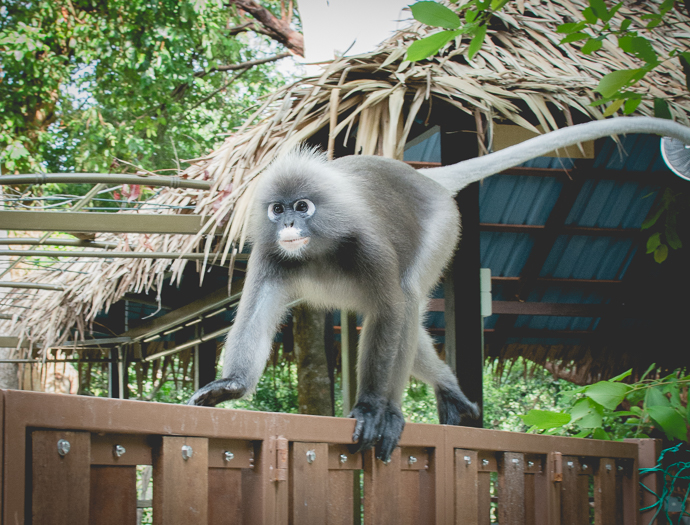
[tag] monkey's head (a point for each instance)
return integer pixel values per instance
(298, 211)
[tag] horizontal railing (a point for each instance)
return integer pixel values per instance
(73, 460)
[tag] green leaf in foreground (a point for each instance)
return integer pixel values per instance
(607, 394)
(545, 420)
(435, 15)
(429, 46)
(661, 109)
(610, 84)
(476, 43)
(670, 421)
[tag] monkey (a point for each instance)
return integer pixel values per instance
(372, 235)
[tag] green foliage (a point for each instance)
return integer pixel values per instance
(634, 36)
(477, 15)
(83, 83)
(615, 410)
(665, 232)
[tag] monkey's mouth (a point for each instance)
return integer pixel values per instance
(290, 239)
(294, 244)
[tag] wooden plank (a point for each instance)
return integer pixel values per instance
(472, 489)
(511, 488)
(344, 500)
(89, 222)
(224, 496)
(410, 511)
(574, 493)
(605, 492)
(341, 501)
(382, 489)
(113, 498)
(60, 484)
(180, 486)
(309, 483)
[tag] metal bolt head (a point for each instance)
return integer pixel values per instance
(228, 456)
(63, 447)
(343, 458)
(485, 462)
(411, 460)
(118, 451)
(571, 464)
(608, 467)
(516, 461)
(468, 460)
(187, 452)
(620, 468)
(530, 464)
(585, 467)
(311, 456)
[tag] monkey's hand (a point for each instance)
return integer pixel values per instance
(217, 392)
(379, 423)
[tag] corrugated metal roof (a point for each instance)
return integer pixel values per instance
(529, 200)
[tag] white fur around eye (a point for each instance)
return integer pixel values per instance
(310, 207)
(271, 214)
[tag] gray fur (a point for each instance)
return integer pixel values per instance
(377, 243)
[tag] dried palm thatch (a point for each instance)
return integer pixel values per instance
(375, 96)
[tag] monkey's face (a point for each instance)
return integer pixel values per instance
(292, 222)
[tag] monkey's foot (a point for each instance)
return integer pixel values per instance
(379, 423)
(217, 392)
(453, 406)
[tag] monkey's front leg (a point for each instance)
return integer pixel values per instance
(378, 418)
(248, 344)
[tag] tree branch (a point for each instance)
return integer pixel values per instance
(242, 65)
(278, 29)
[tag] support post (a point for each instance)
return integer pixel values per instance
(348, 359)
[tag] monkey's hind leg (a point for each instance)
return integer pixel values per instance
(452, 404)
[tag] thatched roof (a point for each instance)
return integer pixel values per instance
(376, 96)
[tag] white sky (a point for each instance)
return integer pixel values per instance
(331, 26)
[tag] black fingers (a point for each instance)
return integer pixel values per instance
(217, 392)
(379, 423)
(453, 406)
(392, 427)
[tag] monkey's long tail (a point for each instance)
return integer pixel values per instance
(457, 176)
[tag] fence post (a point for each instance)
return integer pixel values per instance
(180, 481)
(60, 476)
(649, 451)
(511, 488)
(381, 488)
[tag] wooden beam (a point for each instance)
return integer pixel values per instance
(106, 255)
(106, 178)
(87, 222)
(218, 299)
(537, 229)
(555, 309)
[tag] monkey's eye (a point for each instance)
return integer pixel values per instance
(305, 206)
(274, 210)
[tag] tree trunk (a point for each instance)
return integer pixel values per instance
(314, 384)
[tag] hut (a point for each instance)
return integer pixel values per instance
(572, 287)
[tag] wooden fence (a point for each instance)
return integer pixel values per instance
(73, 460)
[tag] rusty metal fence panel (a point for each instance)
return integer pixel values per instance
(73, 460)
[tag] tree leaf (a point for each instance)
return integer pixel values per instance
(685, 64)
(661, 253)
(587, 414)
(651, 220)
(672, 238)
(589, 15)
(476, 43)
(435, 15)
(610, 84)
(573, 27)
(631, 105)
(607, 394)
(622, 376)
(600, 433)
(653, 242)
(599, 9)
(544, 420)
(670, 421)
(430, 45)
(661, 109)
(574, 37)
(592, 45)
(655, 397)
(613, 107)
